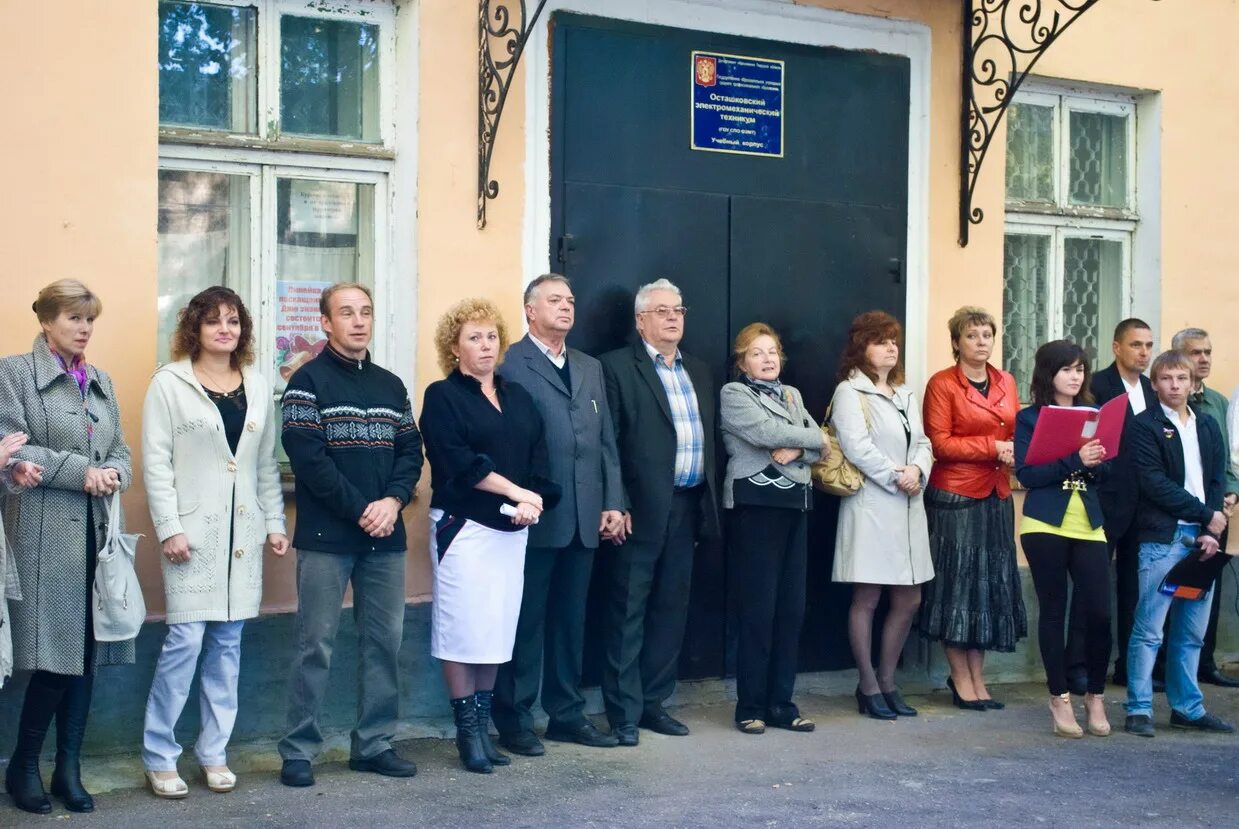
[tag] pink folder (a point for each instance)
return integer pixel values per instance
(1062, 430)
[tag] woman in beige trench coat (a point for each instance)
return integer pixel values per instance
(882, 540)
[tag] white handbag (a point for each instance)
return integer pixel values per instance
(119, 608)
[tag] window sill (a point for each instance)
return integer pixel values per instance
(1073, 212)
(241, 141)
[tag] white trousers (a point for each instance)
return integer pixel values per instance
(219, 643)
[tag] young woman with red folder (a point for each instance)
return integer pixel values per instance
(1063, 536)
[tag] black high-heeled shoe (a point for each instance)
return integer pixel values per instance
(960, 702)
(895, 701)
(874, 705)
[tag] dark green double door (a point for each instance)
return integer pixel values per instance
(803, 242)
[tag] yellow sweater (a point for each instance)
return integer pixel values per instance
(1075, 523)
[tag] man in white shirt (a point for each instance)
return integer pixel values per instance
(1196, 344)
(1180, 460)
(568, 388)
(1133, 348)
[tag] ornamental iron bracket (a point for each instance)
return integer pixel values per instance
(1002, 42)
(501, 42)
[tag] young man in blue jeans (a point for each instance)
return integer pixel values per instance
(1180, 459)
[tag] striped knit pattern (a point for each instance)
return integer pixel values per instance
(347, 426)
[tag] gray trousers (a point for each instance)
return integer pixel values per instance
(378, 610)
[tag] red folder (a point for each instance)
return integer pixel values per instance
(1062, 430)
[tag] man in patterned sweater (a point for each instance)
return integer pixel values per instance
(356, 455)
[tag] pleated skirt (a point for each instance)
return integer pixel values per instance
(975, 601)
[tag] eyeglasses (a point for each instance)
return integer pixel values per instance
(665, 311)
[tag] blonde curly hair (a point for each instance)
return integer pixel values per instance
(447, 332)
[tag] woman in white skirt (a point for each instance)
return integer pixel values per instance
(485, 443)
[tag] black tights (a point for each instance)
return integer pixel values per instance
(1051, 558)
(905, 599)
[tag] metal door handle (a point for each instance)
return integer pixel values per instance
(567, 244)
(895, 268)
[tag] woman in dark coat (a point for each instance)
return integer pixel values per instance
(68, 408)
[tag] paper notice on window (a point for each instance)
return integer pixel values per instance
(299, 335)
(322, 207)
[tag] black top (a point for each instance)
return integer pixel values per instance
(982, 386)
(467, 438)
(232, 406)
(351, 438)
(1047, 500)
(565, 373)
(1120, 492)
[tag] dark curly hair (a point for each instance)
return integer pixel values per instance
(204, 306)
(866, 329)
(1051, 358)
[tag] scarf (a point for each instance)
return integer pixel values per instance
(771, 388)
(76, 370)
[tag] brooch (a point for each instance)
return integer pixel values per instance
(1168, 433)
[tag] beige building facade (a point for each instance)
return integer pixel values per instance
(324, 141)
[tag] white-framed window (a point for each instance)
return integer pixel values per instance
(276, 155)
(1071, 216)
(278, 73)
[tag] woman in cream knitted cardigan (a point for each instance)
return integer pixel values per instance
(208, 445)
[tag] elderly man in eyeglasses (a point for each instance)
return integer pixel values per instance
(662, 405)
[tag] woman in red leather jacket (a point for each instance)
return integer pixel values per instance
(974, 604)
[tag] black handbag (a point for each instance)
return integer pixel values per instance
(770, 488)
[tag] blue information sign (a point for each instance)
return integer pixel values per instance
(737, 104)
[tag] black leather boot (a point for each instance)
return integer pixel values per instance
(22, 779)
(468, 743)
(71, 718)
(498, 758)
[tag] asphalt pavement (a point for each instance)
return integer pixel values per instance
(944, 768)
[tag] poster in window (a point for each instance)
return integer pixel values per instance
(737, 105)
(299, 335)
(322, 207)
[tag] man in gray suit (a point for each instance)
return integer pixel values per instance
(567, 387)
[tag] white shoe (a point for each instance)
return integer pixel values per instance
(167, 788)
(219, 779)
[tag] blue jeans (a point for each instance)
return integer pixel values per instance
(220, 646)
(1188, 620)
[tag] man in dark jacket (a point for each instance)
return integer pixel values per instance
(1195, 343)
(1180, 461)
(567, 387)
(356, 454)
(662, 404)
(1133, 348)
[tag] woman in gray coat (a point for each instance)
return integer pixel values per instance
(68, 408)
(771, 444)
(882, 540)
